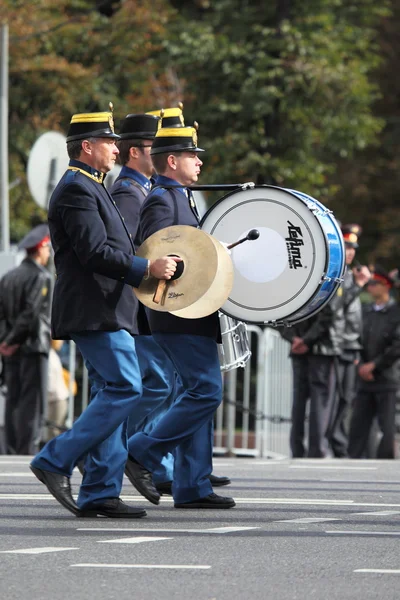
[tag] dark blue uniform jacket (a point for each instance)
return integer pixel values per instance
(129, 191)
(163, 208)
(94, 257)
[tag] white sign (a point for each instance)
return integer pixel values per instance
(48, 161)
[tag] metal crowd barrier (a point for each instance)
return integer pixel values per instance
(254, 417)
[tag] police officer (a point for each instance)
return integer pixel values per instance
(93, 305)
(25, 342)
(346, 376)
(187, 427)
(378, 371)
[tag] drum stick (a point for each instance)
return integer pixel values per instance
(252, 235)
(162, 285)
(160, 289)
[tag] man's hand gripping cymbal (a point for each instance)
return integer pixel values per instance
(165, 267)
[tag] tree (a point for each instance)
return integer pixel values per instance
(281, 91)
(67, 57)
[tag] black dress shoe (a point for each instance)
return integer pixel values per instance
(59, 486)
(219, 481)
(164, 488)
(142, 480)
(113, 508)
(210, 501)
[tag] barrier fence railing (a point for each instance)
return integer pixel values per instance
(254, 417)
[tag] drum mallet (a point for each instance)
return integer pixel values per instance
(252, 235)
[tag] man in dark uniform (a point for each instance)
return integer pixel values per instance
(129, 191)
(25, 342)
(315, 343)
(93, 305)
(187, 427)
(353, 284)
(159, 380)
(379, 370)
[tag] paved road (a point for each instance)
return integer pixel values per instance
(301, 530)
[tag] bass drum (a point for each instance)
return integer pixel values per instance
(294, 267)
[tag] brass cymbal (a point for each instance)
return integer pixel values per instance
(205, 281)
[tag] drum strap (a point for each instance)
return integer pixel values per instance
(174, 202)
(135, 184)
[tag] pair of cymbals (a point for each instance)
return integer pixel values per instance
(203, 279)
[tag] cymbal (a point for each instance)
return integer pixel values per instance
(206, 277)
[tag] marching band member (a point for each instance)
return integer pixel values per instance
(187, 427)
(129, 191)
(93, 305)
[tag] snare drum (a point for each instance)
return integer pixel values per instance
(234, 351)
(295, 266)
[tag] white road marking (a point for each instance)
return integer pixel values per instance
(122, 566)
(37, 550)
(26, 497)
(333, 467)
(383, 571)
(383, 533)
(351, 481)
(14, 462)
(220, 530)
(268, 501)
(378, 513)
(24, 474)
(308, 520)
(134, 540)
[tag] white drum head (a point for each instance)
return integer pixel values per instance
(277, 274)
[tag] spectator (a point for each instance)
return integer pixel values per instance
(25, 342)
(57, 392)
(353, 284)
(379, 375)
(314, 344)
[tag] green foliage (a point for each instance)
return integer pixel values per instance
(281, 95)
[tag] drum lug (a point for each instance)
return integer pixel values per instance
(325, 278)
(318, 212)
(277, 324)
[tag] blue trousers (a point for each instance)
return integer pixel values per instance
(159, 391)
(100, 433)
(187, 427)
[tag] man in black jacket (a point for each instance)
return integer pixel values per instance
(315, 343)
(346, 365)
(93, 305)
(25, 342)
(379, 370)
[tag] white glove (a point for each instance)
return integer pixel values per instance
(248, 186)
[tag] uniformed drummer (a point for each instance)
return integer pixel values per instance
(191, 344)
(159, 380)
